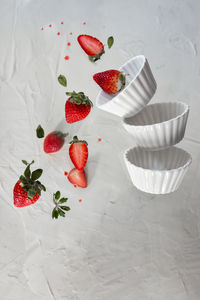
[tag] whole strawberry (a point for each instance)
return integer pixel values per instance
(77, 107)
(54, 141)
(92, 46)
(77, 177)
(78, 152)
(111, 81)
(28, 189)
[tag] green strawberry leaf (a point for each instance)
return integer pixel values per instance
(55, 213)
(31, 193)
(36, 174)
(62, 200)
(110, 41)
(24, 162)
(23, 179)
(57, 195)
(61, 213)
(67, 208)
(40, 132)
(27, 172)
(62, 80)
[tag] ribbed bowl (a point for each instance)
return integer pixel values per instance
(158, 125)
(140, 88)
(157, 172)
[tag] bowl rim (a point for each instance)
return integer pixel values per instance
(127, 86)
(186, 110)
(157, 171)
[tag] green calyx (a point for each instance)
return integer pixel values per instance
(60, 134)
(76, 140)
(59, 209)
(29, 181)
(79, 98)
(122, 79)
(94, 58)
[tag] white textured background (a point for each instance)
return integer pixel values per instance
(119, 243)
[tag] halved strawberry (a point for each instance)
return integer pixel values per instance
(54, 141)
(77, 107)
(78, 152)
(91, 45)
(111, 81)
(28, 189)
(77, 177)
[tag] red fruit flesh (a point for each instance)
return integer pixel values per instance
(78, 153)
(90, 45)
(74, 112)
(20, 196)
(108, 81)
(77, 177)
(53, 143)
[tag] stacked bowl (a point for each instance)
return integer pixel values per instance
(155, 165)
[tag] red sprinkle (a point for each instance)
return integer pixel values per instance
(65, 173)
(62, 23)
(42, 28)
(80, 200)
(70, 33)
(66, 57)
(58, 33)
(68, 44)
(75, 185)
(99, 140)
(84, 23)
(50, 25)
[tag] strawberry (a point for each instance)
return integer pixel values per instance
(111, 81)
(77, 107)
(78, 153)
(54, 141)
(92, 46)
(28, 189)
(77, 177)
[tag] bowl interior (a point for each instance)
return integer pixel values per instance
(157, 113)
(132, 68)
(167, 159)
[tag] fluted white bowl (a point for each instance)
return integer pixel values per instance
(157, 172)
(158, 125)
(138, 91)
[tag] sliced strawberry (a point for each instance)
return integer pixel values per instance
(77, 177)
(78, 152)
(92, 46)
(28, 189)
(77, 107)
(54, 141)
(111, 81)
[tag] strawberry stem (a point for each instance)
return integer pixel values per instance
(79, 98)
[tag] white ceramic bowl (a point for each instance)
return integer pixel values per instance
(139, 89)
(158, 125)
(157, 172)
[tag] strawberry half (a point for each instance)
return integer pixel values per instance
(78, 152)
(54, 141)
(28, 189)
(77, 107)
(92, 46)
(111, 81)
(78, 178)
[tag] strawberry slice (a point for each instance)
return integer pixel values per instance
(54, 141)
(77, 107)
(111, 81)
(78, 153)
(77, 177)
(92, 46)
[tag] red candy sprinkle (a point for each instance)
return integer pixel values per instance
(84, 23)
(58, 33)
(75, 185)
(66, 57)
(42, 28)
(99, 140)
(68, 44)
(65, 173)
(62, 23)
(70, 33)
(80, 200)
(50, 25)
